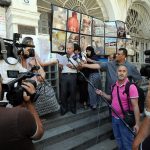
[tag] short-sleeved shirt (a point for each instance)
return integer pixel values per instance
(133, 94)
(17, 125)
(71, 61)
(111, 73)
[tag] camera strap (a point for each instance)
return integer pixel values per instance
(4, 52)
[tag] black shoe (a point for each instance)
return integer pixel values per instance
(63, 111)
(93, 107)
(112, 136)
(73, 111)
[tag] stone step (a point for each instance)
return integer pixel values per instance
(65, 131)
(84, 140)
(105, 145)
(56, 119)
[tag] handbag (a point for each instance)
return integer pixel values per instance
(129, 117)
(46, 102)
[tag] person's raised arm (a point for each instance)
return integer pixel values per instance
(39, 131)
(47, 63)
(91, 66)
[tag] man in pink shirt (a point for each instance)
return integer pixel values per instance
(122, 135)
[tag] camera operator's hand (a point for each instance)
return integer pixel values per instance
(29, 87)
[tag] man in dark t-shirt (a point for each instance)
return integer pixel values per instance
(20, 125)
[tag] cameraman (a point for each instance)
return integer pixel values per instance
(21, 124)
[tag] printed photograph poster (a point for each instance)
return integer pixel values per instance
(110, 46)
(72, 37)
(110, 29)
(84, 42)
(73, 23)
(97, 27)
(59, 18)
(58, 41)
(121, 43)
(86, 22)
(130, 47)
(120, 29)
(98, 45)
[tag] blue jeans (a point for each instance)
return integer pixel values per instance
(123, 136)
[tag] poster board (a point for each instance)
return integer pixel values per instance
(2, 22)
(71, 26)
(110, 29)
(85, 41)
(120, 29)
(110, 46)
(97, 27)
(98, 45)
(58, 41)
(73, 21)
(86, 24)
(59, 18)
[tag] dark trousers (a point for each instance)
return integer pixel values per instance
(68, 90)
(83, 91)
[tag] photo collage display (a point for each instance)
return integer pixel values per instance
(71, 26)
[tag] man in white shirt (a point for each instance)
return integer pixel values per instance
(68, 81)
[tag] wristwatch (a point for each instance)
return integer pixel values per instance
(147, 113)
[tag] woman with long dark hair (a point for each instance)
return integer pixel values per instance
(94, 77)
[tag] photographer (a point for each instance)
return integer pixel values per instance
(21, 124)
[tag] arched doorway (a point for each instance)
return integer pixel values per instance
(138, 23)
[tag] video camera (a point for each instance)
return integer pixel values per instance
(12, 48)
(14, 90)
(15, 93)
(145, 69)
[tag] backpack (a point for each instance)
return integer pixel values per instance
(141, 99)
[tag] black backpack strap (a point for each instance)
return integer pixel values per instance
(112, 88)
(127, 88)
(120, 101)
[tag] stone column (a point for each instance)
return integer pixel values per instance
(22, 17)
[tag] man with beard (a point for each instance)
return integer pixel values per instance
(121, 104)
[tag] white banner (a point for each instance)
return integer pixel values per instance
(2, 23)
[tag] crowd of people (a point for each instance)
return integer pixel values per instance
(80, 73)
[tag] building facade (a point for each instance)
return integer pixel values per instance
(33, 17)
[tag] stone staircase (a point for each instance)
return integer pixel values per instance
(86, 130)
